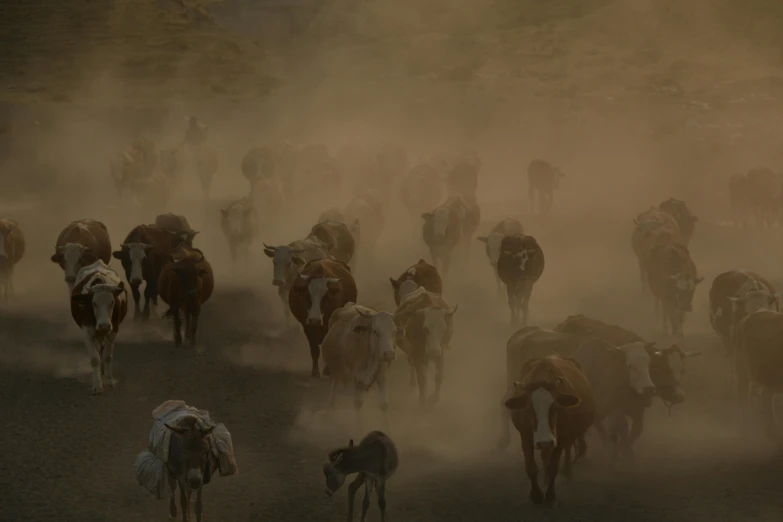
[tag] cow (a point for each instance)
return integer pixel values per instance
(258, 163)
(734, 295)
(449, 226)
(99, 303)
(543, 178)
(520, 265)
(79, 244)
(321, 287)
(177, 225)
(286, 261)
(423, 275)
(12, 248)
(427, 323)
(685, 219)
(335, 214)
(421, 189)
(740, 199)
(552, 407)
(338, 240)
(759, 360)
(652, 227)
(507, 227)
(462, 179)
(763, 186)
(143, 254)
(186, 283)
(367, 210)
(357, 349)
(673, 279)
(240, 227)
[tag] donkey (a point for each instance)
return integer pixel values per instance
(375, 460)
(190, 465)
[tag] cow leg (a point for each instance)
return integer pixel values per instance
(136, 299)
(381, 492)
(505, 427)
(199, 505)
(95, 359)
(150, 292)
(552, 466)
(567, 469)
(193, 327)
(177, 326)
(637, 427)
(315, 353)
(524, 297)
(172, 500)
(531, 468)
(108, 356)
(352, 488)
(368, 483)
(184, 503)
(282, 292)
(421, 379)
(438, 362)
(512, 303)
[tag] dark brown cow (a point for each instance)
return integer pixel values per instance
(651, 228)
(544, 178)
(673, 278)
(99, 303)
(552, 407)
(81, 243)
(506, 227)
(143, 254)
(422, 274)
(186, 282)
(682, 215)
(12, 247)
(320, 288)
(338, 240)
(520, 265)
(178, 226)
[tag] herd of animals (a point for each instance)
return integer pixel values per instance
(583, 373)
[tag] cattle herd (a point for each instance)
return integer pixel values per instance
(583, 373)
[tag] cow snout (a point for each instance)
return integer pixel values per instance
(70, 279)
(389, 356)
(102, 327)
(135, 280)
(545, 445)
(194, 482)
(315, 321)
(277, 282)
(673, 394)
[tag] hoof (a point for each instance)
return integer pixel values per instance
(536, 496)
(327, 372)
(113, 383)
(315, 373)
(97, 390)
(550, 498)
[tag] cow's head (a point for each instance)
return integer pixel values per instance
(382, 332)
(284, 258)
(101, 298)
(317, 289)
(134, 254)
(334, 469)
(753, 301)
(492, 243)
(183, 236)
(190, 274)
(541, 403)
(522, 257)
(195, 464)
(234, 218)
(667, 368)
(637, 361)
(439, 218)
(682, 288)
(71, 257)
(435, 323)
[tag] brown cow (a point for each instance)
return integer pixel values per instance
(81, 243)
(12, 247)
(682, 215)
(99, 303)
(506, 227)
(552, 407)
(186, 282)
(338, 240)
(422, 274)
(520, 265)
(544, 178)
(651, 228)
(143, 254)
(673, 278)
(320, 288)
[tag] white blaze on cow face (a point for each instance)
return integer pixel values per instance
(282, 263)
(383, 335)
(318, 287)
(103, 300)
(71, 259)
(407, 288)
(137, 253)
(637, 360)
(522, 258)
(542, 401)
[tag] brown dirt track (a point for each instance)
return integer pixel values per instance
(68, 455)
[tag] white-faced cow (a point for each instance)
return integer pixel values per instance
(12, 248)
(542, 178)
(99, 303)
(240, 227)
(81, 243)
(422, 274)
(507, 227)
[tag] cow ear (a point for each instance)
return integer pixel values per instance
(393, 282)
(361, 328)
(566, 400)
(518, 402)
(56, 258)
(117, 254)
(427, 215)
(120, 289)
(269, 252)
(483, 239)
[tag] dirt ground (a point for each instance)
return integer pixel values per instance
(69, 455)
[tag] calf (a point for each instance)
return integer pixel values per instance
(428, 325)
(682, 215)
(338, 240)
(143, 254)
(423, 275)
(358, 349)
(322, 286)
(99, 303)
(673, 279)
(520, 265)
(375, 460)
(542, 178)
(421, 189)
(239, 225)
(507, 227)
(12, 248)
(186, 283)
(81, 243)
(286, 261)
(552, 407)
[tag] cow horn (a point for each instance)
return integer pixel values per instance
(363, 312)
(123, 246)
(269, 247)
